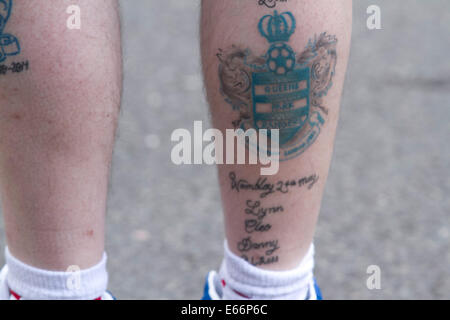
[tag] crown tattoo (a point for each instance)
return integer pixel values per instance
(277, 27)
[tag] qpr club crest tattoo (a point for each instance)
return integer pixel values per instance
(281, 89)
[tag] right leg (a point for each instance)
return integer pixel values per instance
(57, 122)
(283, 69)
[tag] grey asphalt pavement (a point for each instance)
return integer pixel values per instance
(386, 201)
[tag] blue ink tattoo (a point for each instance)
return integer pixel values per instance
(280, 90)
(9, 45)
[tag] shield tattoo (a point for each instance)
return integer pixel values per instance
(280, 90)
(281, 102)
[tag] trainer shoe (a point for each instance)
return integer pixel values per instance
(214, 285)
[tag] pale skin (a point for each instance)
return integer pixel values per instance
(227, 23)
(57, 125)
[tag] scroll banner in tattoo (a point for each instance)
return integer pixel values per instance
(280, 90)
(9, 45)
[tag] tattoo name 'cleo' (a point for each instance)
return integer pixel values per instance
(281, 89)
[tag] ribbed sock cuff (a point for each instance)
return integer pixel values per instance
(36, 284)
(244, 279)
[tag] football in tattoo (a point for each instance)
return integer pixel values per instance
(281, 89)
(9, 45)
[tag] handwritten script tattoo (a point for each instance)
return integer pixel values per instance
(247, 245)
(14, 67)
(265, 188)
(256, 222)
(254, 209)
(259, 252)
(270, 3)
(280, 89)
(263, 252)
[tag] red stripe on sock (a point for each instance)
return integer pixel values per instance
(15, 295)
(242, 295)
(237, 292)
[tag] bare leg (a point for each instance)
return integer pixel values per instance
(57, 123)
(274, 230)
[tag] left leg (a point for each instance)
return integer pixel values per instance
(57, 124)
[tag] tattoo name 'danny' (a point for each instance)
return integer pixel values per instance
(256, 223)
(258, 217)
(282, 89)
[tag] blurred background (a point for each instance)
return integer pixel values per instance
(386, 201)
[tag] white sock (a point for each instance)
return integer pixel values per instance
(242, 280)
(31, 283)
